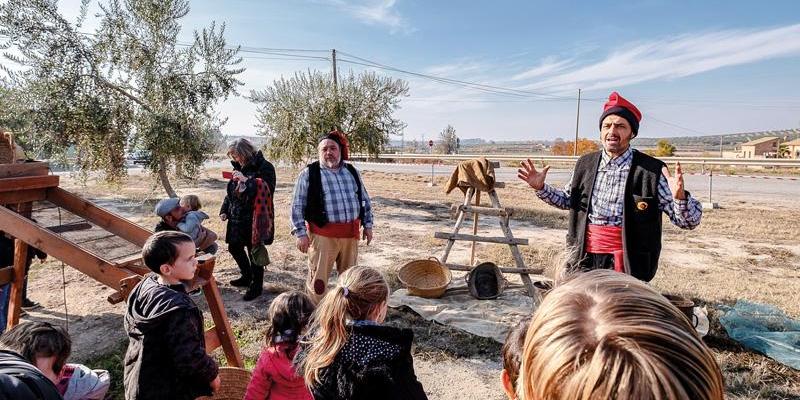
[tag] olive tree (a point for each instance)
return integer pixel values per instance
(294, 112)
(129, 85)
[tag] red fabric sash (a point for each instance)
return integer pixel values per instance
(604, 239)
(342, 230)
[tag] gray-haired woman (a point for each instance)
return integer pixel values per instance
(237, 208)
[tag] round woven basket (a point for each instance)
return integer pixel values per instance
(233, 384)
(425, 278)
(682, 303)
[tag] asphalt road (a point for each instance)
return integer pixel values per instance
(724, 187)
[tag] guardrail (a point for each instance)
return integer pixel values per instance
(757, 162)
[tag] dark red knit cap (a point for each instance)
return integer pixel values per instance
(341, 139)
(618, 105)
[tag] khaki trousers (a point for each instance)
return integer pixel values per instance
(322, 254)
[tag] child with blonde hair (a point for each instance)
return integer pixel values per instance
(606, 335)
(274, 377)
(349, 354)
(192, 224)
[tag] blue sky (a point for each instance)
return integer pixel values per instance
(693, 68)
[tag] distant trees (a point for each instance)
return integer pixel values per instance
(129, 85)
(562, 148)
(294, 112)
(448, 141)
(664, 148)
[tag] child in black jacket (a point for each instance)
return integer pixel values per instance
(166, 357)
(349, 354)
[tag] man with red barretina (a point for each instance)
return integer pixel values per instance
(615, 198)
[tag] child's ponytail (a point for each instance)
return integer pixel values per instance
(359, 292)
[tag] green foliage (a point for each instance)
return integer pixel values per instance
(294, 112)
(130, 85)
(448, 141)
(664, 149)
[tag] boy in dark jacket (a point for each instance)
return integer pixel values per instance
(166, 356)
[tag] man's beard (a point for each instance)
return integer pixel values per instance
(331, 163)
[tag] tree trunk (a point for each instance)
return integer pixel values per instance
(162, 176)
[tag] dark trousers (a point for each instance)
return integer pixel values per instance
(241, 254)
(597, 261)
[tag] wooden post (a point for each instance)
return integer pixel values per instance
(475, 227)
(459, 221)
(20, 261)
(222, 326)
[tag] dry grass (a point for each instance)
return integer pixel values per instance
(760, 263)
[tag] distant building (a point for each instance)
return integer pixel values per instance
(793, 148)
(760, 148)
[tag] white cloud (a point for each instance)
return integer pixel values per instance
(548, 66)
(676, 57)
(374, 12)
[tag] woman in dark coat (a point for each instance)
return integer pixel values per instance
(237, 208)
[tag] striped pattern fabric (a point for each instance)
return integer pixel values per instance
(341, 201)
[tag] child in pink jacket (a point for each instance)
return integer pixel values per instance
(274, 377)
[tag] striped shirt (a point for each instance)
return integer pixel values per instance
(341, 201)
(608, 195)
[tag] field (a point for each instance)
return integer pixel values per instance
(747, 250)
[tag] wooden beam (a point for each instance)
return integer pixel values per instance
(24, 169)
(476, 238)
(498, 212)
(224, 333)
(505, 270)
(28, 182)
(15, 298)
(62, 249)
(105, 219)
(21, 196)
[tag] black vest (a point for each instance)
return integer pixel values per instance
(315, 198)
(641, 229)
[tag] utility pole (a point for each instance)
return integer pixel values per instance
(577, 124)
(720, 147)
(335, 78)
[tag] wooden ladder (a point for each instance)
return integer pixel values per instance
(508, 238)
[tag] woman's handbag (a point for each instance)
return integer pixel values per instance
(259, 255)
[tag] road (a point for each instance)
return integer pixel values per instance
(759, 190)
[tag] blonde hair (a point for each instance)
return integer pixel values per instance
(191, 201)
(243, 148)
(605, 335)
(359, 292)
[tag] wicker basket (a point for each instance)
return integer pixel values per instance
(233, 384)
(425, 278)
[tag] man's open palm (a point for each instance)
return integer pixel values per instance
(528, 173)
(675, 182)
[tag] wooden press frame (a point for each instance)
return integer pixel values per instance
(24, 183)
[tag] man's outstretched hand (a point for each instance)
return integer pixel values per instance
(528, 173)
(675, 182)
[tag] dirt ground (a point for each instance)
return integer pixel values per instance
(747, 250)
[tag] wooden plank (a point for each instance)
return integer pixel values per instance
(476, 238)
(24, 169)
(474, 227)
(212, 339)
(99, 216)
(505, 270)
(21, 196)
(62, 249)
(222, 326)
(497, 212)
(15, 298)
(28, 182)
(459, 221)
(518, 260)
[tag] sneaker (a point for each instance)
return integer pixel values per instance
(29, 304)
